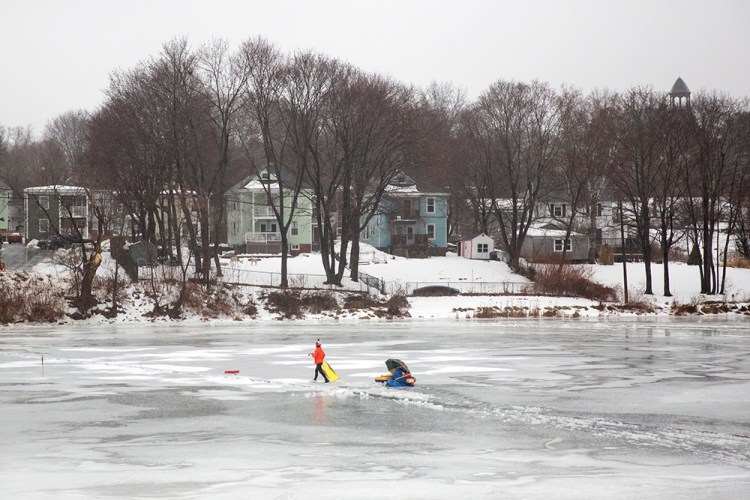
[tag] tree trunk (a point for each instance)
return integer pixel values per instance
(354, 258)
(665, 257)
(645, 237)
(284, 260)
(86, 298)
(623, 257)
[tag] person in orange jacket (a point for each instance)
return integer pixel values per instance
(318, 357)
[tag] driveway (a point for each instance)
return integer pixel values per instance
(18, 257)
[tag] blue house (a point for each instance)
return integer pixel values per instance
(409, 222)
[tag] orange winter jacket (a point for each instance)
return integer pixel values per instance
(318, 355)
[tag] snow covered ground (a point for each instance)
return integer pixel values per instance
(543, 409)
(484, 278)
(457, 272)
(453, 270)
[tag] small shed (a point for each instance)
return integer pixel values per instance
(477, 247)
(549, 245)
(143, 253)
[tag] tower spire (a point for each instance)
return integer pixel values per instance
(679, 92)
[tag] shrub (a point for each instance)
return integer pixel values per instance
(487, 313)
(286, 303)
(694, 259)
(219, 303)
(435, 291)
(105, 285)
(23, 298)
(571, 280)
(356, 302)
(738, 261)
(250, 308)
(397, 305)
(317, 302)
(194, 298)
(679, 309)
(677, 255)
(639, 307)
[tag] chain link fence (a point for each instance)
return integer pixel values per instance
(244, 276)
(375, 285)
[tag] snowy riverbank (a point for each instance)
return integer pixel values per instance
(250, 303)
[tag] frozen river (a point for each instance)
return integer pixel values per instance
(509, 409)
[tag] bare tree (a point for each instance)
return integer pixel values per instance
(718, 138)
(520, 140)
(438, 157)
(473, 187)
(312, 81)
(67, 133)
(583, 153)
(266, 121)
(669, 186)
(373, 121)
(187, 142)
(638, 156)
(224, 77)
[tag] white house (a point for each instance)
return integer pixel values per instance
(477, 247)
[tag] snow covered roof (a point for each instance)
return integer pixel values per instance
(555, 233)
(255, 185)
(402, 189)
(55, 188)
(475, 235)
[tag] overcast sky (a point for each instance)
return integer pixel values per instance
(56, 56)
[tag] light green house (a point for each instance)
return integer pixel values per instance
(252, 226)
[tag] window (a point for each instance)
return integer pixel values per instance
(430, 205)
(431, 231)
(483, 248)
(559, 245)
(599, 209)
(43, 225)
(295, 246)
(557, 210)
(44, 202)
(295, 228)
(267, 228)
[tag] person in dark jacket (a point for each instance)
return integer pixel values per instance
(398, 378)
(318, 356)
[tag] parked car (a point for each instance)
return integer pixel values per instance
(15, 238)
(53, 243)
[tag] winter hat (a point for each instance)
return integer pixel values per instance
(317, 343)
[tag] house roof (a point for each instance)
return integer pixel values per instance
(542, 232)
(475, 235)
(253, 183)
(56, 188)
(404, 186)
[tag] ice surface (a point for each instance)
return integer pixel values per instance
(504, 409)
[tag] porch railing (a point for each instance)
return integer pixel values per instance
(262, 237)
